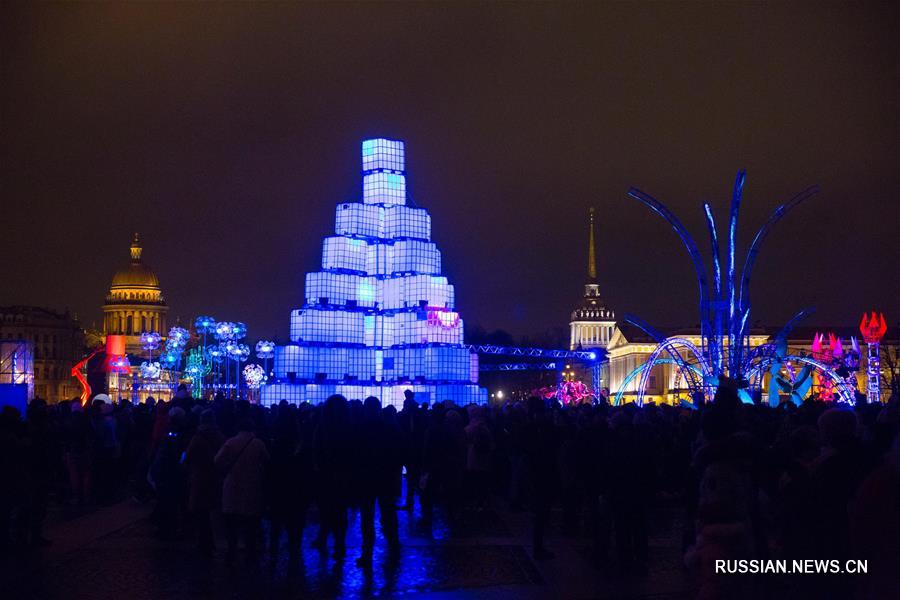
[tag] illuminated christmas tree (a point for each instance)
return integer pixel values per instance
(378, 318)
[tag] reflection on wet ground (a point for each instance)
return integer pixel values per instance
(482, 553)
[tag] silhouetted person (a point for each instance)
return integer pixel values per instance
(204, 488)
(40, 466)
(412, 426)
(541, 444)
(241, 462)
(332, 458)
(105, 447)
(168, 476)
(76, 446)
(378, 457)
(479, 456)
(289, 482)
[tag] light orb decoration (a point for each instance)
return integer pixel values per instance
(265, 349)
(238, 331)
(150, 370)
(169, 358)
(216, 354)
(178, 337)
(205, 324)
(150, 340)
(120, 365)
(254, 375)
(224, 331)
(238, 352)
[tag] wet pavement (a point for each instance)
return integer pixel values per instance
(114, 553)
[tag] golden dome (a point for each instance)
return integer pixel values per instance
(137, 274)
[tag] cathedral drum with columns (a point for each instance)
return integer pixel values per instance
(135, 302)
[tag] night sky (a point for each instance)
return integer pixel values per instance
(226, 134)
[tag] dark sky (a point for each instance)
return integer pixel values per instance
(226, 134)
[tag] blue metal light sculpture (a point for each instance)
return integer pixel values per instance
(724, 310)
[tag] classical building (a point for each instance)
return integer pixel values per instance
(135, 302)
(592, 323)
(630, 347)
(54, 341)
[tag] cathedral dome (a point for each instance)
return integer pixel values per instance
(135, 303)
(137, 274)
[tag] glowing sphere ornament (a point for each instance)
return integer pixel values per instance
(205, 325)
(178, 337)
(216, 354)
(150, 340)
(238, 331)
(238, 352)
(265, 349)
(224, 331)
(120, 365)
(169, 358)
(150, 370)
(254, 375)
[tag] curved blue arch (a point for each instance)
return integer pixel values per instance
(761, 235)
(843, 389)
(715, 351)
(733, 326)
(634, 373)
(660, 339)
(654, 357)
(691, 246)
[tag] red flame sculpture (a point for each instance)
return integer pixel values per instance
(873, 329)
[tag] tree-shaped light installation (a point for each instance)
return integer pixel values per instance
(150, 369)
(150, 341)
(724, 308)
(175, 345)
(196, 368)
(872, 330)
(215, 354)
(265, 350)
(178, 337)
(239, 353)
(205, 325)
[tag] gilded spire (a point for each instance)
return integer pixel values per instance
(592, 254)
(135, 249)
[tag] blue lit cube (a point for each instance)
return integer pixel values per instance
(384, 188)
(381, 153)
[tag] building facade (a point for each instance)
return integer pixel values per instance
(55, 342)
(135, 302)
(592, 323)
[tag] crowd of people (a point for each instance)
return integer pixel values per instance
(811, 481)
